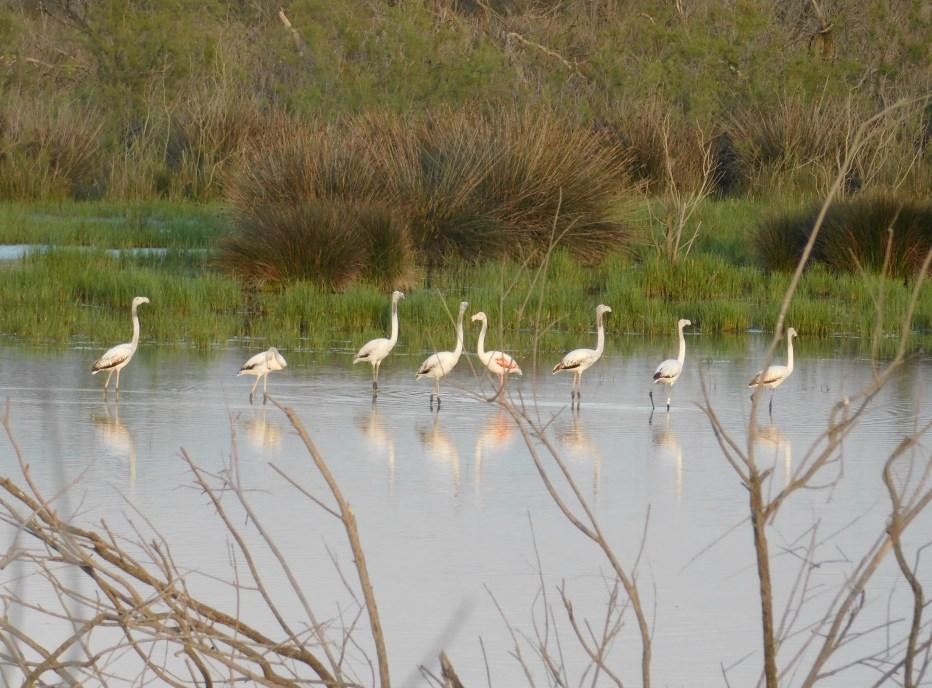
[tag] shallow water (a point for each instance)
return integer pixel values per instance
(450, 505)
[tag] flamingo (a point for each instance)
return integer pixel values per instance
(669, 371)
(580, 360)
(440, 364)
(261, 365)
(118, 357)
(497, 362)
(774, 376)
(376, 350)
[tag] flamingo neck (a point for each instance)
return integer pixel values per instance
(789, 355)
(394, 337)
(681, 357)
(135, 341)
(459, 336)
(600, 336)
(480, 347)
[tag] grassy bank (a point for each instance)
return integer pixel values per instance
(69, 294)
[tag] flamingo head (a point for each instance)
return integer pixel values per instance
(602, 309)
(479, 316)
(684, 323)
(139, 299)
(791, 332)
(397, 296)
(463, 306)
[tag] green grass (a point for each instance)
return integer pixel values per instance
(64, 296)
(157, 224)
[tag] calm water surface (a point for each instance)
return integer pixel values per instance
(450, 504)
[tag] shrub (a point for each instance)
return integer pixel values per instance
(453, 183)
(329, 243)
(48, 150)
(854, 236)
(860, 230)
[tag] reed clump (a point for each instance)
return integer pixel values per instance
(857, 234)
(377, 196)
(48, 149)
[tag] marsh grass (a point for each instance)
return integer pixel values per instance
(67, 295)
(156, 224)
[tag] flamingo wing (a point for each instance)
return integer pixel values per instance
(575, 359)
(506, 363)
(121, 353)
(772, 375)
(370, 350)
(253, 364)
(668, 370)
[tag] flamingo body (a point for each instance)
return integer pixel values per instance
(118, 357)
(775, 375)
(497, 362)
(260, 366)
(580, 360)
(441, 363)
(377, 350)
(669, 371)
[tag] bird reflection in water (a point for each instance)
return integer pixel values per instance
(664, 437)
(440, 447)
(574, 438)
(776, 444)
(263, 432)
(116, 438)
(495, 435)
(375, 430)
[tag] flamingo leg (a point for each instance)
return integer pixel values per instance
(651, 395)
(437, 391)
(107, 383)
(770, 406)
(253, 390)
(265, 389)
(118, 382)
(669, 397)
(375, 375)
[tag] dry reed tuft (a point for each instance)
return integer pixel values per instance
(855, 236)
(48, 149)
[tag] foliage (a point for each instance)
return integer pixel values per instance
(172, 92)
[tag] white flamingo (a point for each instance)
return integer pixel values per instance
(580, 360)
(118, 357)
(441, 363)
(774, 376)
(669, 371)
(376, 350)
(497, 362)
(261, 365)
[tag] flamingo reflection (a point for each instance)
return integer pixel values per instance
(375, 430)
(775, 441)
(116, 438)
(579, 445)
(665, 439)
(262, 432)
(495, 435)
(440, 447)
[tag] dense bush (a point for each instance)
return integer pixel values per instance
(856, 235)
(328, 243)
(455, 183)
